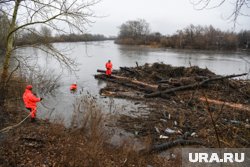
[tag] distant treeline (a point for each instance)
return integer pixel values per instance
(78, 38)
(31, 38)
(192, 37)
(42, 35)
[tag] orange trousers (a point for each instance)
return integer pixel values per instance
(33, 112)
(108, 72)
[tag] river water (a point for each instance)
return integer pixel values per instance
(91, 56)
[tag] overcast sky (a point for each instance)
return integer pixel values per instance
(164, 16)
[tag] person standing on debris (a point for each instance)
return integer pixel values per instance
(109, 68)
(30, 101)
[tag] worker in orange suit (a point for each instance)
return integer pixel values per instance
(109, 68)
(73, 87)
(30, 100)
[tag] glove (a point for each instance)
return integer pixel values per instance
(41, 98)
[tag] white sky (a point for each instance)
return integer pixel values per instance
(164, 16)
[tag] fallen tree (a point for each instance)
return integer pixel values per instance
(104, 71)
(171, 144)
(129, 82)
(191, 86)
(233, 105)
(122, 94)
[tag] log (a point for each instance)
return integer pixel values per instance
(171, 144)
(101, 71)
(128, 95)
(144, 84)
(104, 71)
(132, 83)
(233, 105)
(191, 86)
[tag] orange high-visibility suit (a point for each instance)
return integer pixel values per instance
(30, 101)
(109, 68)
(73, 87)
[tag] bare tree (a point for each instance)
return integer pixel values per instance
(61, 16)
(46, 32)
(134, 29)
(241, 7)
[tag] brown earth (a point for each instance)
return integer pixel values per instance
(46, 144)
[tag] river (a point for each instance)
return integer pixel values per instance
(91, 56)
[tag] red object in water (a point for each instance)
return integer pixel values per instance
(73, 87)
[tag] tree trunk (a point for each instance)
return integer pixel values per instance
(170, 144)
(9, 47)
(104, 71)
(229, 104)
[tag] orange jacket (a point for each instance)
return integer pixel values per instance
(30, 99)
(73, 87)
(109, 65)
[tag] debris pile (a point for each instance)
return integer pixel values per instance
(186, 105)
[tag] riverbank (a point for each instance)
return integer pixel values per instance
(190, 37)
(51, 144)
(47, 144)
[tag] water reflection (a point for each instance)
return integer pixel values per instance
(130, 51)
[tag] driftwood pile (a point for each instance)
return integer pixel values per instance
(185, 105)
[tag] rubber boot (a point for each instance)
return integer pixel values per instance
(33, 120)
